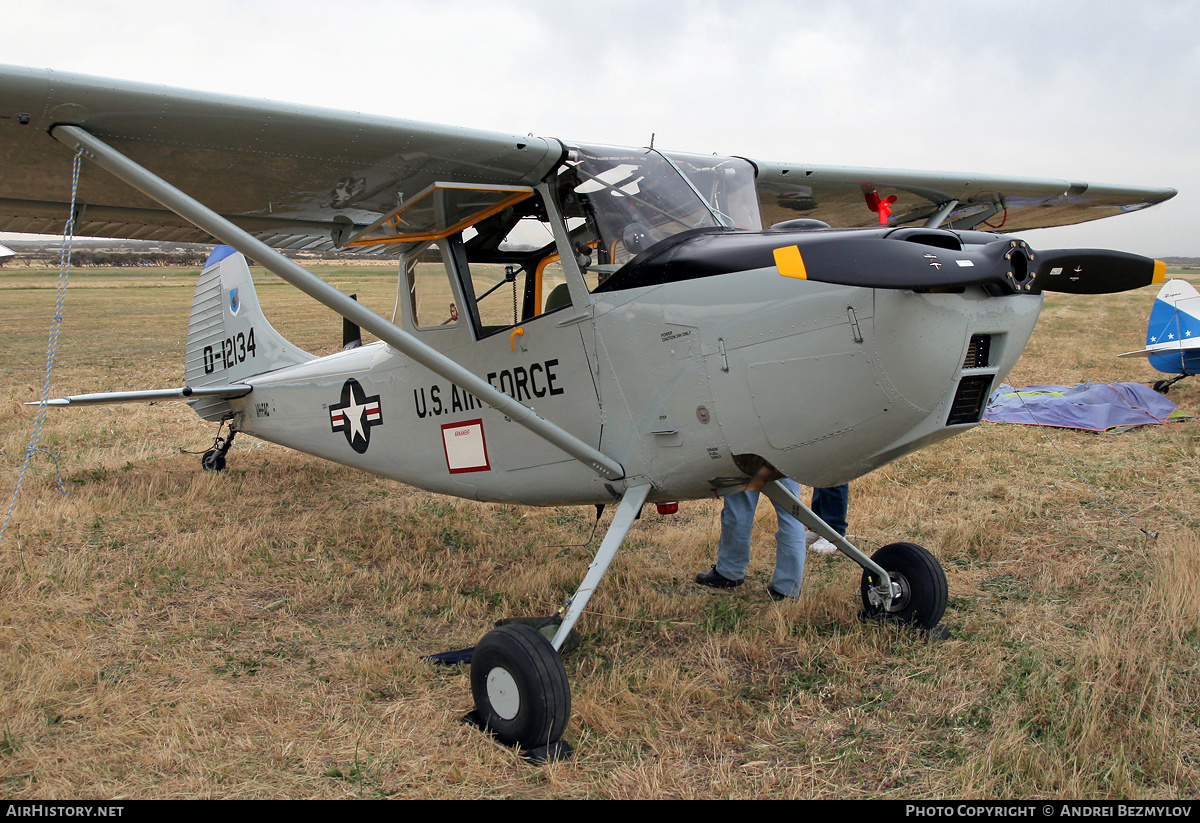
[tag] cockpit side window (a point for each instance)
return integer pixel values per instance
(509, 268)
(487, 252)
(495, 292)
(430, 293)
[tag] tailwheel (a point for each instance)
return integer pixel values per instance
(1164, 386)
(922, 586)
(214, 459)
(520, 688)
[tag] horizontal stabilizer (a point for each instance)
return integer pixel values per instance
(1161, 350)
(1165, 348)
(187, 392)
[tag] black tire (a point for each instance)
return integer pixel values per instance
(1162, 386)
(922, 583)
(213, 461)
(520, 687)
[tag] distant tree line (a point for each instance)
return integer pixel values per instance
(138, 258)
(91, 257)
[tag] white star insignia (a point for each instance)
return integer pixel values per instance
(354, 415)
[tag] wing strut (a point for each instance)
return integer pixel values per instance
(192, 210)
(943, 211)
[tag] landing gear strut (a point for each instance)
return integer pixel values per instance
(517, 677)
(901, 581)
(214, 459)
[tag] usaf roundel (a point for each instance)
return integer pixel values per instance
(356, 415)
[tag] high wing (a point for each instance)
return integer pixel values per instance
(295, 176)
(302, 177)
(843, 197)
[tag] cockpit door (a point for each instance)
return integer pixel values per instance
(513, 324)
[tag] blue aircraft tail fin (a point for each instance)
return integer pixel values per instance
(1173, 332)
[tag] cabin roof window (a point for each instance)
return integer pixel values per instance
(439, 211)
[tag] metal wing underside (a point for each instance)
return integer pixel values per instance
(841, 196)
(290, 174)
(299, 177)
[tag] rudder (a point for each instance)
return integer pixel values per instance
(229, 338)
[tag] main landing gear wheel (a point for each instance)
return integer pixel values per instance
(520, 687)
(923, 589)
(1162, 386)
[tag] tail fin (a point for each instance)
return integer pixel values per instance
(1176, 307)
(1173, 332)
(229, 338)
(1175, 325)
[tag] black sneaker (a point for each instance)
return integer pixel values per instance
(715, 580)
(776, 594)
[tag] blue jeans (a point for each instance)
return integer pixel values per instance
(733, 552)
(831, 506)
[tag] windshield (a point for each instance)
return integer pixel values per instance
(725, 183)
(623, 201)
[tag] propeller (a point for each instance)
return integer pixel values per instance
(915, 258)
(1095, 271)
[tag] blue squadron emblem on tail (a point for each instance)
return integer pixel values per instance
(356, 415)
(234, 302)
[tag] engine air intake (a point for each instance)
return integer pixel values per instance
(970, 399)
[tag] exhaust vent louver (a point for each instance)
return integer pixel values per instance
(979, 352)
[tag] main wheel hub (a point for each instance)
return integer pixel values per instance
(503, 693)
(900, 582)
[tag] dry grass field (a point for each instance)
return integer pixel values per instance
(171, 633)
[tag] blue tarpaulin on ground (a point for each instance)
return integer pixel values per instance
(1098, 407)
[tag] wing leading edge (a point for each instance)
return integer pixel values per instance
(304, 177)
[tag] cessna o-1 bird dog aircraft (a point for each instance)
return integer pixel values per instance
(574, 324)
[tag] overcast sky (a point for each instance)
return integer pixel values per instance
(1105, 92)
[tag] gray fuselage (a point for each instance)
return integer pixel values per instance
(825, 382)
